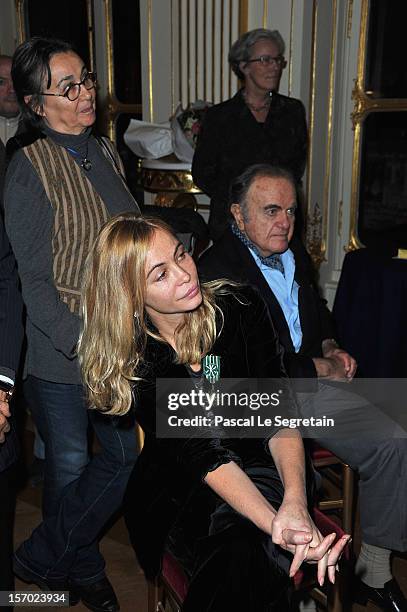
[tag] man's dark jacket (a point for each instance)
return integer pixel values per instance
(230, 258)
(11, 333)
(2, 168)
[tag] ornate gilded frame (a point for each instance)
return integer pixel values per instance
(364, 104)
(22, 32)
(317, 216)
(112, 107)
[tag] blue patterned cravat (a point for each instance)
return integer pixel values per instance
(271, 261)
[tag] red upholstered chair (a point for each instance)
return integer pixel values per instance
(330, 596)
(325, 461)
(169, 590)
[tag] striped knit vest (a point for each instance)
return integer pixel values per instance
(79, 213)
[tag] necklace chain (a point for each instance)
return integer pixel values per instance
(86, 164)
(257, 109)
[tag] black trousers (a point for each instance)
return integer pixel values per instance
(8, 488)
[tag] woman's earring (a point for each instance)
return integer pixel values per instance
(136, 317)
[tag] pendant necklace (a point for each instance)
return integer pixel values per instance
(86, 164)
(258, 109)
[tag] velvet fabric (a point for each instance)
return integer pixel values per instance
(231, 140)
(168, 505)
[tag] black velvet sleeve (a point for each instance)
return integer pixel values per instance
(265, 356)
(198, 456)
(263, 350)
(190, 457)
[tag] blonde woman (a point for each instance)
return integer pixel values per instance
(230, 510)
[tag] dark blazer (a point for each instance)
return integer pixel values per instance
(2, 169)
(166, 485)
(231, 140)
(11, 333)
(230, 258)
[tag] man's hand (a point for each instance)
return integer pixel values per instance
(336, 364)
(4, 413)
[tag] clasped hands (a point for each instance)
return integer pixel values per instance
(294, 530)
(336, 364)
(4, 414)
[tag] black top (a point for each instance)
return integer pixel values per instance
(231, 140)
(230, 258)
(2, 169)
(168, 476)
(11, 334)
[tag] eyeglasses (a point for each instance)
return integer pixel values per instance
(74, 89)
(269, 60)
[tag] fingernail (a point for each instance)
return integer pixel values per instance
(321, 582)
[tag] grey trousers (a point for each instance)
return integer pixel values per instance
(375, 446)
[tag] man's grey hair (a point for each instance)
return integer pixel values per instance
(241, 49)
(240, 186)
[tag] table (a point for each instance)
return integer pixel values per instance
(370, 311)
(171, 180)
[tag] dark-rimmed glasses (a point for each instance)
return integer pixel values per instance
(74, 89)
(269, 60)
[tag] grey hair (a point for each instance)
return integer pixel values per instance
(240, 186)
(240, 50)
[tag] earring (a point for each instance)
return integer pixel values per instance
(137, 317)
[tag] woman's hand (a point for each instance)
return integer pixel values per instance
(294, 530)
(4, 414)
(292, 521)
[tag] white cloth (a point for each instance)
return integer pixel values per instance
(149, 140)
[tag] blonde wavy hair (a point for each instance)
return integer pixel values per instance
(115, 325)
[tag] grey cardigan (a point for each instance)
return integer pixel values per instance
(52, 330)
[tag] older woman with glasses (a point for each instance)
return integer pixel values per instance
(62, 185)
(257, 125)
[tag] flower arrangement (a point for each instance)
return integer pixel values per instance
(190, 120)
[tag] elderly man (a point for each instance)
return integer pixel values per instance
(259, 248)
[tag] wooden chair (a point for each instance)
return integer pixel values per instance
(325, 461)
(168, 591)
